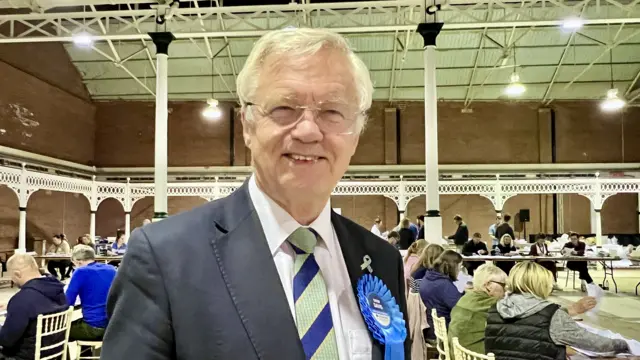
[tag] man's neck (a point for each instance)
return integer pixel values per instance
(304, 209)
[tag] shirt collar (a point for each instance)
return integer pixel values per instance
(278, 224)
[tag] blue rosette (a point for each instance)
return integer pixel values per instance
(382, 315)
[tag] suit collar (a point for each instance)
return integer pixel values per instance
(252, 279)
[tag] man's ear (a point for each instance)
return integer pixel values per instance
(247, 126)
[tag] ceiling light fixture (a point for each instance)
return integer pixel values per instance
(515, 87)
(572, 23)
(83, 39)
(212, 112)
(612, 102)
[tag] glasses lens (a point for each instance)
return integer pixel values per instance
(330, 118)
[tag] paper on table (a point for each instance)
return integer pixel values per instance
(634, 346)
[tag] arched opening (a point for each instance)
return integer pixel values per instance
(619, 214)
(540, 208)
(363, 209)
(142, 209)
(9, 219)
(477, 211)
(576, 214)
(109, 218)
(54, 212)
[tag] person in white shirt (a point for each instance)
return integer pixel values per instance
(269, 272)
(376, 227)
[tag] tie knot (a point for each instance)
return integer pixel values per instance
(304, 240)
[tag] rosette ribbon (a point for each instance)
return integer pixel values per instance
(382, 315)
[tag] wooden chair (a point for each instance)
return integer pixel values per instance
(442, 339)
(93, 345)
(460, 353)
(52, 325)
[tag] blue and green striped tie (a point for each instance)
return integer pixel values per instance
(313, 314)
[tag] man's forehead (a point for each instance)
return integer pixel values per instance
(325, 75)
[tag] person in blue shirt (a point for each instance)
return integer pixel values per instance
(119, 246)
(91, 281)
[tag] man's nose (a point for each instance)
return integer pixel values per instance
(307, 129)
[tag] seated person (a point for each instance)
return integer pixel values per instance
(119, 248)
(91, 281)
(540, 249)
(469, 316)
(437, 289)
(525, 320)
(576, 247)
(413, 256)
(426, 261)
(85, 240)
(475, 246)
(505, 248)
(393, 237)
(38, 295)
(61, 247)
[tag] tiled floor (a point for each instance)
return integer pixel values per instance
(617, 312)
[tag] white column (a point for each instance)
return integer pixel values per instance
(22, 235)
(162, 41)
(92, 225)
(433, 221)
(593, 215)
(598, 228)
(127, 224)
(560, 213)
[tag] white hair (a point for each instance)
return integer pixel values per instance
(301, 42)
(83, 252)
(486, 273)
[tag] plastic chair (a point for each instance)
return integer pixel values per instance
(51, 325)
(442, 339)
(460, 353)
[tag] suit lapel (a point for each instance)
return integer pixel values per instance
(253, 282)
(353, 251)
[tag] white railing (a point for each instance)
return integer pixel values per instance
(25, 182)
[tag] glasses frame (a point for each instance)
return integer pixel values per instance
(315, 111)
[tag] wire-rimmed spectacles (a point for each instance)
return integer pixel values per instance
(331, 118)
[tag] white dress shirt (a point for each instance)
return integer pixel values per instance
(351, 332)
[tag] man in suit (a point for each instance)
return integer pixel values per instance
(270, 271)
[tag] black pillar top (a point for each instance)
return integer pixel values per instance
(162, 41)
(429, 32)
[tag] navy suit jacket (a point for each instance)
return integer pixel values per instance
(203, 285)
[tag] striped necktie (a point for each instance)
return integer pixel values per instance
(313, 314)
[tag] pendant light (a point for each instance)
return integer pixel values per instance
(212, 111)
(612, 102)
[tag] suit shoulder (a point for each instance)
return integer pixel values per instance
(181, 227)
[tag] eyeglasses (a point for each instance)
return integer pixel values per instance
(331, 118)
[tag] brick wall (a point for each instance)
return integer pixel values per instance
(43, 105)
(493, 133)
(48, 213)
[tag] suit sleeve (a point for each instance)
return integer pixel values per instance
(510, 232)
(138, 307)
